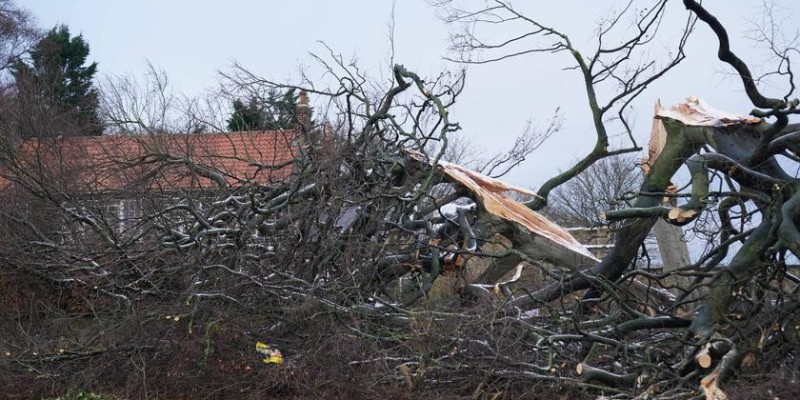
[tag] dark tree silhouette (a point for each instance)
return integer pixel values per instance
(277, 110)
(55, 73)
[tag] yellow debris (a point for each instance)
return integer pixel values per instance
(273, 356)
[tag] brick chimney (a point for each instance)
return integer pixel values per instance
(303, 112)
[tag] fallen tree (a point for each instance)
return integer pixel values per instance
(339, 261)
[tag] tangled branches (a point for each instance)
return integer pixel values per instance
(379, 268)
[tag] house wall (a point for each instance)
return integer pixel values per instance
(599, 240)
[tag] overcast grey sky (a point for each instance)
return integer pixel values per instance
(192, 39)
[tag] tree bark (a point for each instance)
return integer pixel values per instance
(671, 245)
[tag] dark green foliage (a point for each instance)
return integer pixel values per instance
(56, 76)
(276, 111)
(246, 117)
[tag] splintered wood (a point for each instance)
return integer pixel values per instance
(693, 112)
(492, 195)
(696, 112)
(658, 139)
(710, 388)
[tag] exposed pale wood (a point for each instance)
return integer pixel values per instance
(513, 279)
(658, 139)
(674, 213)
(492, 195)
(710, 388)
(695, 112)
(703, 358)
(680, 215)
(687, 215)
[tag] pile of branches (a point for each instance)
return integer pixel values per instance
(338, 265)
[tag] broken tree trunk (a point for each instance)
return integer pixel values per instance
(678, 133)
(531, 233)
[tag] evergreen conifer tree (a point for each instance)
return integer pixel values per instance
(56, 75)
(276, 111)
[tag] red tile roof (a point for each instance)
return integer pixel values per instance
(113, 163)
